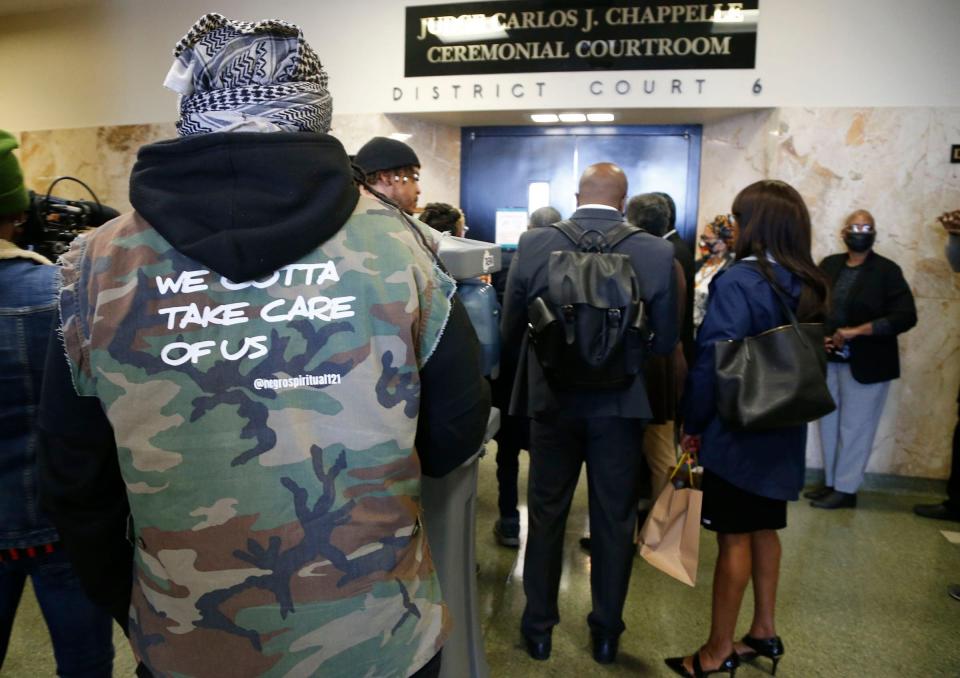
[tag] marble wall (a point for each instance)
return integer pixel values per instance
(892, 161)
(103, 156)
(437, 146)
(895, 163)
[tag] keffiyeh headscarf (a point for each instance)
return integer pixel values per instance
(248, 77)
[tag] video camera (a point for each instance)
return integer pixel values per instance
(53, 223)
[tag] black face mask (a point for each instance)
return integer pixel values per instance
(859, 242)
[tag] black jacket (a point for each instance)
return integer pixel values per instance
(880, 292)
(682, 253)
(244, 205)
(652, 259)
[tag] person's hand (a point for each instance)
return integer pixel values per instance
(845, 334)
(690, 444)
(828, 344)
(951, 221)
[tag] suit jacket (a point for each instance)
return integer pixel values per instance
(879, 292)
(499, 278)
(683, 255)
(665, 374)
(652, 260)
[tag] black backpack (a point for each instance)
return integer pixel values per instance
(589, 332)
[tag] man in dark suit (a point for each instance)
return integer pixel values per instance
(655, 213)
(513, 434)
(601, 428)
(684, 255)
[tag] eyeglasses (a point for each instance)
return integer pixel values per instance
(406, 178)
(861, 228)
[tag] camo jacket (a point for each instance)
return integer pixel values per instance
(265, 433)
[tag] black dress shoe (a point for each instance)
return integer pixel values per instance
(538, 649)
(728, 665)
(771, 648)
(937, 511)
(507, 532)
(954, 591)
(835, 500)
(818, 493)
(605, 649)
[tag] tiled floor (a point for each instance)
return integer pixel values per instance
(863, 593)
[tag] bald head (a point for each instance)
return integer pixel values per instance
(603, 184)
(861, 217)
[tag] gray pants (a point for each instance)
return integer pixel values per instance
(846, 434)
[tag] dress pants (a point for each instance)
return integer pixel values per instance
(846, 434)
(81, 632)
(610, 446)
(660, 450)
(510, 439)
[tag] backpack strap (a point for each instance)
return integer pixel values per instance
(621, 232)
(613, 237)
(570, 229)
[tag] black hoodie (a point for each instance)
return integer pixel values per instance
(245, 204)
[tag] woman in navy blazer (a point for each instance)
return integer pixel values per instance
(749, 476)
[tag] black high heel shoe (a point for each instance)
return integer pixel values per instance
(771, 648)
(728, 665)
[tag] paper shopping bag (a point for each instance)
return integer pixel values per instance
(670, 538)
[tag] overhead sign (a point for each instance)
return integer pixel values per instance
(526, 36)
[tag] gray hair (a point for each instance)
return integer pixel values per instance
(649, 211)
(544, 217)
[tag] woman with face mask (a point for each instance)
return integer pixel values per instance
(716, 253)
(871, 304)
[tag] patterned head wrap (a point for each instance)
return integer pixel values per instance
(725, 229)
(248, 77)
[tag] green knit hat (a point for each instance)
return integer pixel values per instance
(13, 194)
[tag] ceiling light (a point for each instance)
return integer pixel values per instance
(538, 195)
(600, 117)
(544, 117)
(400, 136)
(573, 117)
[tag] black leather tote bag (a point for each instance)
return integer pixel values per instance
(775, 379)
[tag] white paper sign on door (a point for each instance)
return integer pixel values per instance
(510, 225)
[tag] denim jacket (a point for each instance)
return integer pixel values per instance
(28, 303)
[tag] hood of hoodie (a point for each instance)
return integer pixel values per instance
(245, 204)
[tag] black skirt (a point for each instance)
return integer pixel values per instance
(729, 510)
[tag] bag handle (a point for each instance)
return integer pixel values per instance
(782, 299)
(685, 458)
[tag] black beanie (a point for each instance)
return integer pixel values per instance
(381, 153)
